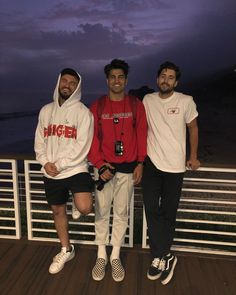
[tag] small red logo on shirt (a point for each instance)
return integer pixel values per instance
(173, 111)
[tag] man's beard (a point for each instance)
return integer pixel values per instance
(63, 95)
(166, 90)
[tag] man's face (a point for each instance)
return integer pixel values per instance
(166, 82)
(67, 86)
(116, 81)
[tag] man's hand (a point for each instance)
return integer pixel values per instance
(51, 169)
(138, 173)
(193, 164)
(107, 175)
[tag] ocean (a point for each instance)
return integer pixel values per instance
(17, 132)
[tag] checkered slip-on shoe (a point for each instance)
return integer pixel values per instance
(118, 272)
(99, 269)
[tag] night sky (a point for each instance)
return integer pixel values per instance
(39, 38)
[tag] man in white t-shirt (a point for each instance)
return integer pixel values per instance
(168, 113)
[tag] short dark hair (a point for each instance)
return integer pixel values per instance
(171, 66)
(71, 72)
(117, 64)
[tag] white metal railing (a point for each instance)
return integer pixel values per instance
(10, 226)
(40, 222)
(206, 218)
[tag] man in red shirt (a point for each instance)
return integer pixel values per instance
(117, 152)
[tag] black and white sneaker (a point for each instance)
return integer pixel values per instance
(154, 272)
(167, 266)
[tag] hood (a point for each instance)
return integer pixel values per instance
(75, 96)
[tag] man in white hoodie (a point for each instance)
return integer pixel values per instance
(62, 142)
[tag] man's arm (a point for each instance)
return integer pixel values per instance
(193, 162)
(141, 131)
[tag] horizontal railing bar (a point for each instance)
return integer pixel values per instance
(208, 201)
(7, 190)
(6, 180)
(7, 209)
(206, 232)
(211, 169)
(208, 191)
(202, 250)
(7, 218)
(204, 242)
(38, 202)
(207, 212)
(40, 192)
(206, 221)
(218, 180)
(6, 170)
(8, 227)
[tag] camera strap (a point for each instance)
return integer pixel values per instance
(114, 123)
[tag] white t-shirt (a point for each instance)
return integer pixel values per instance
(167, 119)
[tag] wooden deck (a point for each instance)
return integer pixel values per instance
(24, 270)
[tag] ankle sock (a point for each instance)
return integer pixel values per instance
(102, 252)
(115, 254)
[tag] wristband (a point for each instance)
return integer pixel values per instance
(102, 169)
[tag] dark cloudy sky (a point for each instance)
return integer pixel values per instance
(39, 38)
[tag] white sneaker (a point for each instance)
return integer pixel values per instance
(75, 212)
(60, 259)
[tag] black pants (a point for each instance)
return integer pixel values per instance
(161, 192)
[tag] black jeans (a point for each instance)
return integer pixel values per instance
(161, 193)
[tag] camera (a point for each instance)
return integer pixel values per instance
(119, 148)
(100, 183)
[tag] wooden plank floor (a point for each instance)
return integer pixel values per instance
(24, 270)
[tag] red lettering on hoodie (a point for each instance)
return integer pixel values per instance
(60, 130)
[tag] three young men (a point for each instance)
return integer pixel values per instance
(117, 152)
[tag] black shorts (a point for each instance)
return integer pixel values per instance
(58, 190)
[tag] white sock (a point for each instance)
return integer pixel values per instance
(102, 253)
(115, 254)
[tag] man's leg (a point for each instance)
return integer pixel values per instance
(123, 191)
(152, 190)
(171, 192)
(81, 185)
(172, 186)
(103, 200)
(83, 202)
(67, 250)
(61, 224)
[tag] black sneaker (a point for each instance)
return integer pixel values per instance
(154, 272)
(167, 265)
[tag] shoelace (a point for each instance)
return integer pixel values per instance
(156, 262)
(162, 265)
(59, 256)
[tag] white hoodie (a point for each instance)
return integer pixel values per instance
(64, 134)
